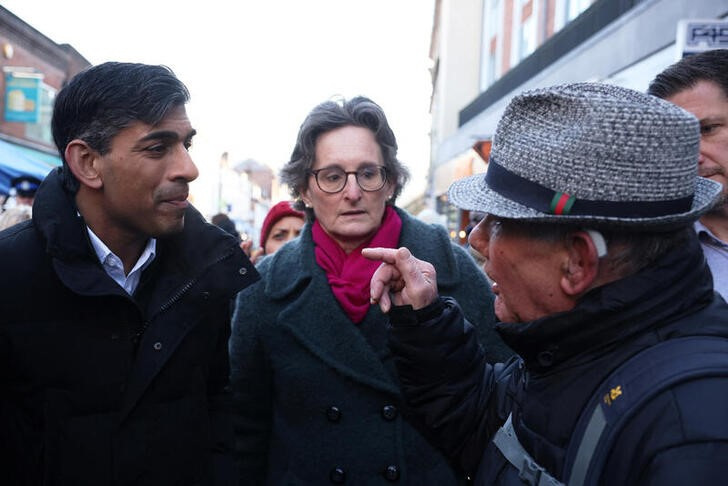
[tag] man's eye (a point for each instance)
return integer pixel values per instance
(495, 225)
(157, 149)
(708, 129)
(368, 173)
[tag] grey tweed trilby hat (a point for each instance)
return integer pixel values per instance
(592, 153)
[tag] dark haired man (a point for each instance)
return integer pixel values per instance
(699, 84)
(113, 350)
(601, 289)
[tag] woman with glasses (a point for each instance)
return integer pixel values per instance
(316, 396)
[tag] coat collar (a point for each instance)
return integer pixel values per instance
(185, 254)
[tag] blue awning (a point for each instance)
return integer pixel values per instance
(16, 160)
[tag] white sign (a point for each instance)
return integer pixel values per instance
(698, 35)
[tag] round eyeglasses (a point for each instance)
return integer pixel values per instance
(333, 179)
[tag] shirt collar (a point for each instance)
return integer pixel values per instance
(103, 252)
(704, 232)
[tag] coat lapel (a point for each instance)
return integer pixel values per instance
(316, 320)
(156, 347)
(175, 307)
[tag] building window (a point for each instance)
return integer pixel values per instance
(490, 70)
(491, 42)
(527, 40)
(574, 8)
(492, 16)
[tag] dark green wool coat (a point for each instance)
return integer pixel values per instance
(317, 399)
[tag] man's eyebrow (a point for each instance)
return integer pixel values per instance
(166, 135)
(712, 118)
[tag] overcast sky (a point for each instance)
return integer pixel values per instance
(255, 68)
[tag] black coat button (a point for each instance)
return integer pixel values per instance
(337, 475)
(389, 412)
(545, 358)
(333, 414)
(391, 473)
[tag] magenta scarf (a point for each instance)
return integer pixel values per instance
(349, 275)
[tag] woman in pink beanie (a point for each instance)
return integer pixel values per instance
(281, 224)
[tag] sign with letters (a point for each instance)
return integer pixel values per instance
(698, 35)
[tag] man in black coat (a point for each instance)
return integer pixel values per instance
(116, 300)
(590, 196)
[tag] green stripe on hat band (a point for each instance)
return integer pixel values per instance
(561, 203)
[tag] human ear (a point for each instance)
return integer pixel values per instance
(84, 163)
(305, 198)
(390, 191)
(581, 265)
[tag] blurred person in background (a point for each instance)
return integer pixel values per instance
(20, 207)
(15, 215)
(316, 395)
(223, 221)
(113, 348)
(281, 224)
(24, 187)
(699, 84)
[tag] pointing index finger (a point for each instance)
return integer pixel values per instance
(386, 255)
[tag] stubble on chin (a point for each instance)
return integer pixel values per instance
(720, 207)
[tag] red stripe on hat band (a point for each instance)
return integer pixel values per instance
(561, 204)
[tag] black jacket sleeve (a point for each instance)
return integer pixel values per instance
(446, 379)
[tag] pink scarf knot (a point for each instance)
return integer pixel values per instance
(349, 275)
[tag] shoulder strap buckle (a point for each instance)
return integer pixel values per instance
(529, 471)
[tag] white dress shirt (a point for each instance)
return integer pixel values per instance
(114, 267)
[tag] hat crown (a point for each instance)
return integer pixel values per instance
(600, 142)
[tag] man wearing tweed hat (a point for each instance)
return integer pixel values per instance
(699, 84)
(601, 288)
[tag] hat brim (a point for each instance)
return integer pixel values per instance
(473, 194)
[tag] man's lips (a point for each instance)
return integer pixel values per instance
(710, 173)
(178, 200)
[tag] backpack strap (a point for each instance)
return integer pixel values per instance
(529, 471)
(630, 386)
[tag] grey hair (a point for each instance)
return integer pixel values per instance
(330, 115)
(628, 251)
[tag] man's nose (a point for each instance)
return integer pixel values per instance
(479, 237)
(185, 168)
(701, 156)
